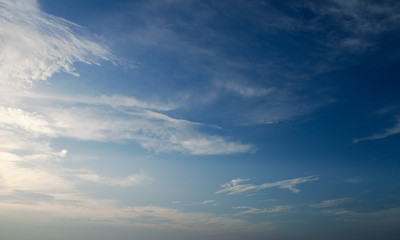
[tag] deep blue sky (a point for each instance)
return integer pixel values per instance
(199, 119)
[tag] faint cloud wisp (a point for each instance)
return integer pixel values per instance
(234, 186)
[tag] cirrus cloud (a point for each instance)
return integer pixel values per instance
(234, 186)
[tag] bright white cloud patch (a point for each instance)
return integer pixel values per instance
(34, 45)
(19, 120)
(44, 173)
(38, 172)
(90, 176)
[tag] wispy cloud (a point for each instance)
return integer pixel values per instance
(205, 202)
(266, 73)
(90, 176)
(252, 210)
(359, 20)
(114, 101)
(234, 186)
(383, 217)
(107, 211)
(35, 45)
(212, 202)
(365, 17)
(154, 131)
(331, 203)
(243, 90)
(387, 133)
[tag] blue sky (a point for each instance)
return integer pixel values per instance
(199, 119)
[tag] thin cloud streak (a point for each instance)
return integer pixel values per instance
(114, 101)
(331, 203)
(252, 210)
(233, 187)
(387, 133)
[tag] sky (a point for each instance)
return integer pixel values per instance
(184, 119)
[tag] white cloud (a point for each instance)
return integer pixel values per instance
(154, 131)
(34, 45)
(252, 210)
(32, 123)
(43, 172)
(387, 133)
(331, 203)
(12, 140)
(233, 187)
(37, 172)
